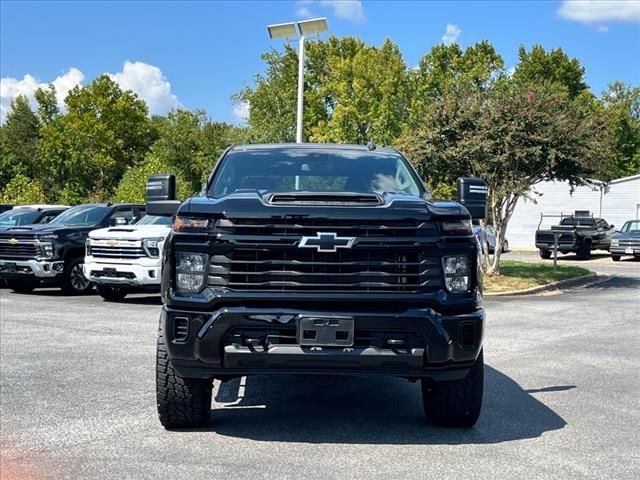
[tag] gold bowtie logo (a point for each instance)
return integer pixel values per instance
(13, 241)
(112, 243)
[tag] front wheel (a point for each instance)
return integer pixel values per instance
(546, 254)
(111, 293)
(21, 286)
(584, 253)
(615, 258)
(73, 280)
(182, 402)
(457, 403)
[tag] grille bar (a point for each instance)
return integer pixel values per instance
(117, 252)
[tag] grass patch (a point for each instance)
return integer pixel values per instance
(516, 275)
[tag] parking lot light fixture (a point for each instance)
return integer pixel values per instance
(289, 31)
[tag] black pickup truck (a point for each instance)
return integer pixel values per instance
(53, 253)
(320, 259)
(579, 233)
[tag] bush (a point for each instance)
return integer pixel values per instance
(132, 186)
(21, 190)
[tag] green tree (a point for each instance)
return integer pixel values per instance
(87, 150)
(22, 190)
(19, 142)
(132, 187)
(513, 136)
(48, 109)
(539, 66)
(623, 104)
(191, 144)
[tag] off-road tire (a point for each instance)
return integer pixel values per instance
(182, 402)
(546, 254)
(456, 403)
(71, 284)
(584, 253)
(112, 294)
(615, 258)
(21, 286)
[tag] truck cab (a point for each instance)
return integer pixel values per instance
(320, 259)
(52, 254)
(126, 258)
(29, 215)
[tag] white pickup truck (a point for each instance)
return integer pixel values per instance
(128, 258)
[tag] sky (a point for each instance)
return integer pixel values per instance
(198, 54)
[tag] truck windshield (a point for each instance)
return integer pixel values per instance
(154, 220)
(299, 169)
(12, 218)
(631, 227)
(82, 215)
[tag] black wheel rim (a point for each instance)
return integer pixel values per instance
(78, 281)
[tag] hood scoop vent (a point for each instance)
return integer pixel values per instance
(321, 198)
(121, 230)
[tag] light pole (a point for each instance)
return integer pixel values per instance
(290, 31)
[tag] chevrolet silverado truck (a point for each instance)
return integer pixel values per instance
(579, 233)
(320, 259)
(126, 259)
(52, 254)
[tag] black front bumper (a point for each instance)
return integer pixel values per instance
(215, 344)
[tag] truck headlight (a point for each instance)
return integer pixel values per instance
(183, 223)
(47, 249)
(456, 227)
(457, 273)
(191, 270)
(151, 246)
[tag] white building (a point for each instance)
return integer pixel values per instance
(616, 202)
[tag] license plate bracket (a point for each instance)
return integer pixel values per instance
(109, 271)
(628, 251)
(329, 331)
(10, 267)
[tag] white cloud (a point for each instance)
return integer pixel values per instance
(241, 111)
(149, 83)
(602, 29)
(452, 33)
(10, 88)
(146, 80)
(592, 11)
(351, 10)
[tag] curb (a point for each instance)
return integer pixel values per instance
(590, 278)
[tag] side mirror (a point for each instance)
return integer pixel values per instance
(472, 193)
(612, 227)
(161, 195)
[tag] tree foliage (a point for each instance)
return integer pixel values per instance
(19, 137)
(86, 151)
(22, 190)
(623, 105)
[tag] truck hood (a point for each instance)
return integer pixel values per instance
(390, 206)
(130, 232)
(44, 229)
(627, 236)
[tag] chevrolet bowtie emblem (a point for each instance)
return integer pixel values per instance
(13, 241)
(112, 243)
(326, 242)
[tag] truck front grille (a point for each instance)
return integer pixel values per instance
(629, 243)
(117, 252)
(21, 249)
(266, 257)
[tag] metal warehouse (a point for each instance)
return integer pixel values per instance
(616, 202)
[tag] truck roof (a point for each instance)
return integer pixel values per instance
(313, 146)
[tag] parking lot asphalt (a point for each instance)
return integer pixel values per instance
(562, 392)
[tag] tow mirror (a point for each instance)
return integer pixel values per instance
(472, 193)
(161, 195)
